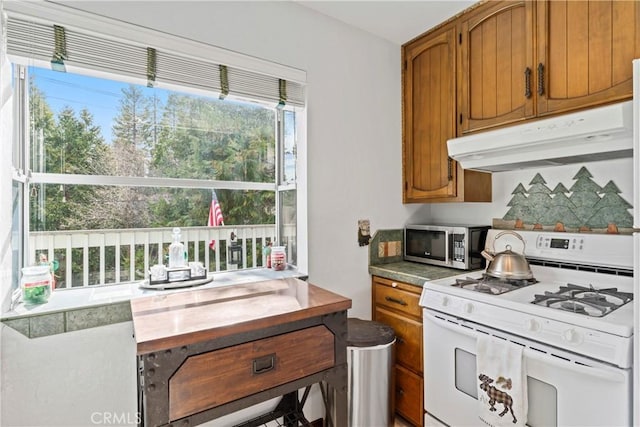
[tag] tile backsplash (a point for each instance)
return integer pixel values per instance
(505, 184)
(386, 247)
(583, 206)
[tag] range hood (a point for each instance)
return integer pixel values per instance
(598, 134)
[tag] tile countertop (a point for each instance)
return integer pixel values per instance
(74, 309)
(412, 272)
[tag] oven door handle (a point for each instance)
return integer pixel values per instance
(610, 374)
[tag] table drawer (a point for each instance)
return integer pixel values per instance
(408, 338)
(388, 295)
(217, 377)
(409, 395)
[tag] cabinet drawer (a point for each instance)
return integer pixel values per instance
(409, 395)
(211, 379)
(388, 295)
(408, 338)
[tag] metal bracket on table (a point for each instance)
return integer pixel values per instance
(289, 409)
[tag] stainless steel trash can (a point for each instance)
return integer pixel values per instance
(370, 359)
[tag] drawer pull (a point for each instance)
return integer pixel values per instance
(264, 364)
(395, 300)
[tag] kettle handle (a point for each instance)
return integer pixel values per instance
(502, 233)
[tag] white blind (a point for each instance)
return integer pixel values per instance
(35, 40)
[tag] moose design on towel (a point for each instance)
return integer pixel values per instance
(496, 395)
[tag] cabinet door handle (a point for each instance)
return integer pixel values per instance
(527, 82)
(264, 364)
(400, 340)
(450, 168)
(395, 300)
(540, 79)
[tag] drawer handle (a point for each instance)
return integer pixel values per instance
(395, 300)
(264, 364)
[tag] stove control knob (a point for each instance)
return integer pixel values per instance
(532, 325)
(468, 308)
(445, 301)
(572, 336)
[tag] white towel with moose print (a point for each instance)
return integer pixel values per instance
(502, 382)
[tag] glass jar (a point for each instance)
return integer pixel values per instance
(36, 284)
(278, 258)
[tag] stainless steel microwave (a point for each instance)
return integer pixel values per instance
(446, 245)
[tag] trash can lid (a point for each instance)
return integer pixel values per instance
(367, 333)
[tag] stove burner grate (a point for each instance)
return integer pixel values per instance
(588, 301)
(492, 285)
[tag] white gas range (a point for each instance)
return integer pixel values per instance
(575, 324)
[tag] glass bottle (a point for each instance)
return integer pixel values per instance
(176, 251)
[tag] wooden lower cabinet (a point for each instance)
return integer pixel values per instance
(409, 395)
(396, 304)
(408, 338)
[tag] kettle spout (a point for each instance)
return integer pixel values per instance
(487, 256)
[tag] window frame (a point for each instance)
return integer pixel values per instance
(23, 177)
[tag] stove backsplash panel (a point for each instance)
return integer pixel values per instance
(582, 205)
(505, 184)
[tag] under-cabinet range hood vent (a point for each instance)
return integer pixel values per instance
(601, 133)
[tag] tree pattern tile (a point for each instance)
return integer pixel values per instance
(584, 206)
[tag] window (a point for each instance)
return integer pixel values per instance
(106, 163)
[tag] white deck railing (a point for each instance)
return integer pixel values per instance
(98, 257)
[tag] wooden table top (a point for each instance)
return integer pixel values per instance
(169, 320)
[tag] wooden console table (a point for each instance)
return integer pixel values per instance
(206, 353)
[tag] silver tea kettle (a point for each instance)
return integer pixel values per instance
(507, 264)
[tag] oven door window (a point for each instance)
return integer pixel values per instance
(465, 371)
(429, 244)
(542, 397)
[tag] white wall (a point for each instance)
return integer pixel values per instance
(354, 172)
(74, 379)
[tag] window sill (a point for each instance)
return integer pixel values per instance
(75, 309)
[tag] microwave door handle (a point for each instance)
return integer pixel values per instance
(447, 259)
(611, 375)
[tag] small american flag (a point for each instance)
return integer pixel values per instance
(215, 216)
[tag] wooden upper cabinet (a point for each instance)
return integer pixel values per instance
(496, 65)
(429, 117)
(429, 120)
(584, 54)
